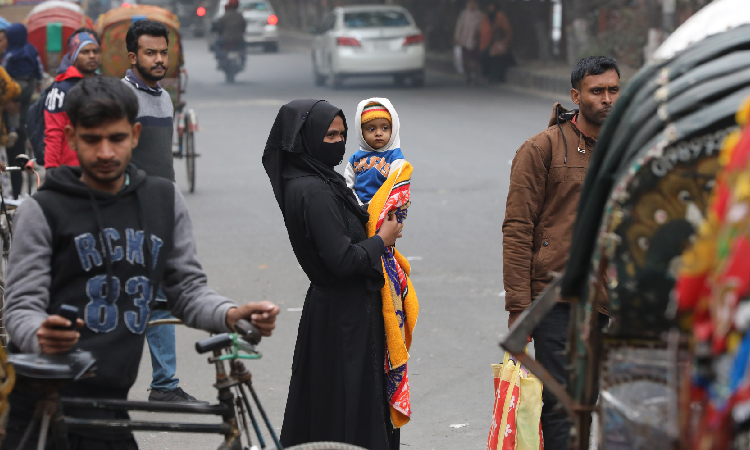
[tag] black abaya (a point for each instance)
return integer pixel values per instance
(337, 388)
(337, 391)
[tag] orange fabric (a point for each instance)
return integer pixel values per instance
(486, 30)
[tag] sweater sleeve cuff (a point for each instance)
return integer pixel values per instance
(220, 317)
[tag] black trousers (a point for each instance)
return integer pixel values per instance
(16, 178)
(550, 345)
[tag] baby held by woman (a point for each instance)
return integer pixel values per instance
(379, 153)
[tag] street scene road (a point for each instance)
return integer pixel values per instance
(460, 140)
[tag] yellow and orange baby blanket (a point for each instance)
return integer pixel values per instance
(400, 306)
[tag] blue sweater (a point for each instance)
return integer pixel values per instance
(371, 169)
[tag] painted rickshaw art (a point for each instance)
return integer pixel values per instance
(649, 190)
(112, 28)
(49, 25)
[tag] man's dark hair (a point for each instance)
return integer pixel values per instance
(86, 30)
(147, 27)
(592, 65)
(96, 100)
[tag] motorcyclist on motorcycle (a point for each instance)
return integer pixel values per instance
(231, 30)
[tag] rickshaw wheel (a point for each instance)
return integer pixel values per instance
(190, 153)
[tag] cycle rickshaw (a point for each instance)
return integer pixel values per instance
(50, 24)
(112, 28)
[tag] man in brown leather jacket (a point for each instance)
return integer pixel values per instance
(545, 184)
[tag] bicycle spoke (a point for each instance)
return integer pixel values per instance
(43, 432)
(27, 433)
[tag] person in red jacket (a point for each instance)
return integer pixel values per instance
(85, 55)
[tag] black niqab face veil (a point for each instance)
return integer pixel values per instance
(295, 148)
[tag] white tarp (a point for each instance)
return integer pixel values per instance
(716, 17)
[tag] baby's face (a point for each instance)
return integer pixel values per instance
(377, 133)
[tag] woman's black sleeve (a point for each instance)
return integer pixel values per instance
(325, 225)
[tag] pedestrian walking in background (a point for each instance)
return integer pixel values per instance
(338, 386)
(147, 42)
(467, 36)
(545, 184)
(9, 90)
(495, 37)
(84, 54)
(23, 64)
(3, 42)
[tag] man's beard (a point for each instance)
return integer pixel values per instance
(595, 116)
(87, 72)
(88, 170)
(147, 73)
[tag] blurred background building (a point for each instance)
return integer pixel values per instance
(562, 30)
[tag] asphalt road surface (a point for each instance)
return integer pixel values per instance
(460, 140)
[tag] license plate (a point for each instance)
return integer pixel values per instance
(382, 45)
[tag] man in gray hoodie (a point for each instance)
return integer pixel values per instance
(103, 237)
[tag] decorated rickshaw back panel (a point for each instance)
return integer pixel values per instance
(113, 26)
(49, 26)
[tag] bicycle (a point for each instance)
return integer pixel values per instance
(46, 374)
(6, 233)
(186, 125)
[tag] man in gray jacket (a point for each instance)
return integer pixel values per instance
(103, 237)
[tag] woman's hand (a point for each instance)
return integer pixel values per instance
(390, 230)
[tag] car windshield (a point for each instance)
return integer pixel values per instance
(375, 19)
(249, 5)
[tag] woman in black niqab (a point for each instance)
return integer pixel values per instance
(337, 390)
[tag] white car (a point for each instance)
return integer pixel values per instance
(368, 40)
(262, 23)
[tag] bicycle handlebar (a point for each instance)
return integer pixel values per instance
(213, 343)
(245, 330)
(248, 331)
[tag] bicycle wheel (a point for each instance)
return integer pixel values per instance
(324, 446)
(189, 149)
(4, 253)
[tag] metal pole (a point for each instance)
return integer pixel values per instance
(668, 15)
(252, 416)
(264, 416)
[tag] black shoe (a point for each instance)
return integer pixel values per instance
(175, 395)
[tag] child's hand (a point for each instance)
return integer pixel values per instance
(390, 230)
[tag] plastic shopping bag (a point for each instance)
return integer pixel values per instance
(458, 58)
(518, 407)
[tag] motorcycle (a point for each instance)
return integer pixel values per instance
(230, 57)
(231, 62)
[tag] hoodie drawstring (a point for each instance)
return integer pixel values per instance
(565, 141)
(105, 244)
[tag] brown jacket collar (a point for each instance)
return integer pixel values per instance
(559, 117)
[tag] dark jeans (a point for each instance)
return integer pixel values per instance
(550, 344)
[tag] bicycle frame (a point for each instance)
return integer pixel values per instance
(239, 377)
